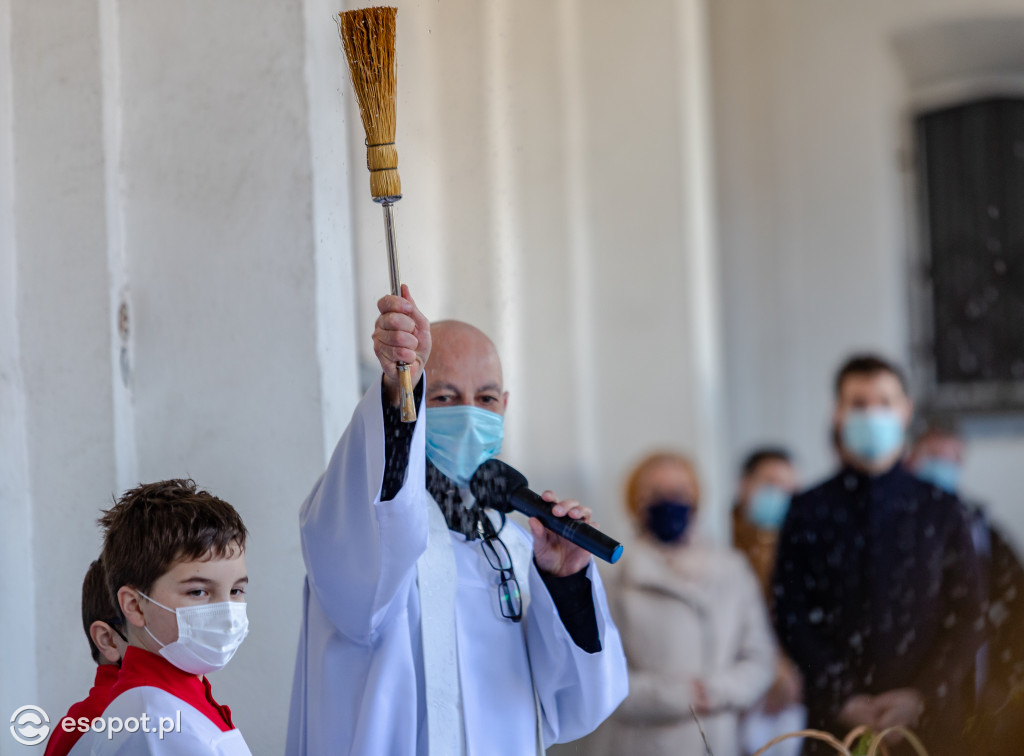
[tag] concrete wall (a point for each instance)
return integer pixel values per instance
(175, 164)
(812, 105)
(204, 168)
(17, 588)
(61, 313)
(556, 193)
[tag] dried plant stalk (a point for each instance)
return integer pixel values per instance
(812, 734)
(368, 35)
(843, 747)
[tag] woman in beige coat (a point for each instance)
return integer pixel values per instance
(693, 624)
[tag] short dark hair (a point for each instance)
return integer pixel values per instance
(157, 524)
(868, 364)
(97, 604)
(939, 429)
(764, 454)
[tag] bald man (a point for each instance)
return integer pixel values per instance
(430, 624)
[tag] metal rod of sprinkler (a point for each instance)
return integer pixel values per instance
(389, 238)
(407, 400)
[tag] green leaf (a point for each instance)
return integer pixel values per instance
(860, 748)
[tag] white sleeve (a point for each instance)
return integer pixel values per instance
(139, 743)
(173, 744)
(742, 683)
(577, 690)
(361, 552)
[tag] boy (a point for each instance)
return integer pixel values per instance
(103, 628)
(175, 561)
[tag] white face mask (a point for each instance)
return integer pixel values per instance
(208, 635)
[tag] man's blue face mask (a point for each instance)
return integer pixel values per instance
(460, 439)
(872, 434)
(940, 472)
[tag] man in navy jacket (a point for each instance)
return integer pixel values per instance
(876, 587)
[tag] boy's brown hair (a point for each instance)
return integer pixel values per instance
(157, 524)
(97, 604)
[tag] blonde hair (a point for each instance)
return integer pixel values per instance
(647, 464)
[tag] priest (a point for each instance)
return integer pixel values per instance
(431, 625)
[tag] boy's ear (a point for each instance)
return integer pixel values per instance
(105, 638)
(128, 600)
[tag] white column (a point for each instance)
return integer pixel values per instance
(330, 134)
(17, 585)
(63, 318)
(121, 324)
(501, 198)
(701, 286)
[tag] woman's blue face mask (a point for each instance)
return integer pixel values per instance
(668, 520)
(940, 472)
(768, 507)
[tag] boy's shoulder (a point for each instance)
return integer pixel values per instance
(148, 720)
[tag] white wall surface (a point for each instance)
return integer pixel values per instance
(17, 586)
(812, 102)
(61, 310)
(554, 195)
(167, 160)
(206, 166)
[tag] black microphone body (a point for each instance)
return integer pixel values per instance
(504, 488)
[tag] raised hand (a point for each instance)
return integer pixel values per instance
(401, 334)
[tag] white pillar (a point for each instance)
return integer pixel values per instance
(121, 324)
(701, 284)
(17, 583)
(62, 310)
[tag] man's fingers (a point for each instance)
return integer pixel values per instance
(580, 513)
(414, 310)
(391, 303)
(572, 508)
(395, 321)
(401, 339)
(396, 354)
(536, 528)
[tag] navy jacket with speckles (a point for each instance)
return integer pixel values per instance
(876, 587)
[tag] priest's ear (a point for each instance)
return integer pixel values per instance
(108, 642)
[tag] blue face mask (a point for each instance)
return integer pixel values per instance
(460, 439)
(872, 435)
(767, 507)
(668, 521)
(940, 472)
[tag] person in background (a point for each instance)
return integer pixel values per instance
(104, 629)
(937, 457)
(876, 591)
(693, 624)
(768, 480)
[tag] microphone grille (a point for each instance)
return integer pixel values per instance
(493, 483)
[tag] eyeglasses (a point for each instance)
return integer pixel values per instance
(509, 597)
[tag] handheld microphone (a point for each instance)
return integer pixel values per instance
(504, 488)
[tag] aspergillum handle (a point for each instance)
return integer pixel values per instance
(408, 401)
